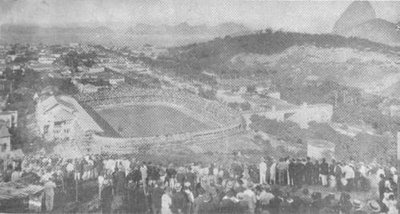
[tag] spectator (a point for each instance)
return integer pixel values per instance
(324, 172)
(49, 194)
(156, 197)
(263, 171)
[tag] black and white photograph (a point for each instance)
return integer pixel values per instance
(199, 106)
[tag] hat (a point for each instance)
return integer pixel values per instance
(374, 206)
(178, 186)
(229, 184)
(357, 204)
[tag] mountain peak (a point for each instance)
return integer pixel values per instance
(356, 13)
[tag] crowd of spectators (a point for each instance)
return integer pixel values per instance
(286, 185)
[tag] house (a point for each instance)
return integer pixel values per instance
(96, 69)
(228, 97)
(46, 60)
(62, 118)
(116, 80)
(394, 110)
(10, 118)
(312, 81)
(87, 88)
(5, 140)
(4, 85)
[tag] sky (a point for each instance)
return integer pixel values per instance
(301, 16)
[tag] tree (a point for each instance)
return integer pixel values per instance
(208, 94)
(234, 105)
(245, 106)
(250, 89)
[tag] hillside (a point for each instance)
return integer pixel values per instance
(285, 56)
(228, 28)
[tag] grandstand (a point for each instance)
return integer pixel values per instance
(132, 116)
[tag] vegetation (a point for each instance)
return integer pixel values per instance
(74, 59)
(215, 55)
(361, 147)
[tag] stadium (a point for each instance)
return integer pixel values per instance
(131, 117)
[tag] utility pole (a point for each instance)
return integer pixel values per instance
(398, 166)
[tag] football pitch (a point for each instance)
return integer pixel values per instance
(149, 120)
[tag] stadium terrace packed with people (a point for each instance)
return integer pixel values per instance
(284, 185)
(214, 111)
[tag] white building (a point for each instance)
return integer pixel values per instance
(96, 69)
(5, 141)
(116, 80)
(63, 118)
(280, 110)
(46, 60)
(10, 118)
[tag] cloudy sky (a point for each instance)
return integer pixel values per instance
(304, 16)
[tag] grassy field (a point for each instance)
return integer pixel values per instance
(149, 120)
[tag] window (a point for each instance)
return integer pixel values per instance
(59, 123)
(45, 129)
(4, 147)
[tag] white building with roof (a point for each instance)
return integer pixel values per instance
(281, 110)
(5, 140)
(63, 118)
(10, 118)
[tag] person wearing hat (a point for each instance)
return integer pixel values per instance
(308, 168)
(373, 207)
(179, 200)
(324, 172)
(358, 209)
(190, 177)
(317, 203)
(299, 173)
(166, 202)
(189, 195)
(272, 172)
(391, 203)
(263, 196)
(275, 203)
(263, 171)
(250, 197)
(345, 204)
(49, 194)
(381, 186)
(106, 196)
(156, 194)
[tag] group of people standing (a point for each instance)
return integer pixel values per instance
(271, 187)
(344, 176)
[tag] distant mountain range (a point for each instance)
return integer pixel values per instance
(223, 29)
(34, 29)
(359, 20)
(228, 28)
